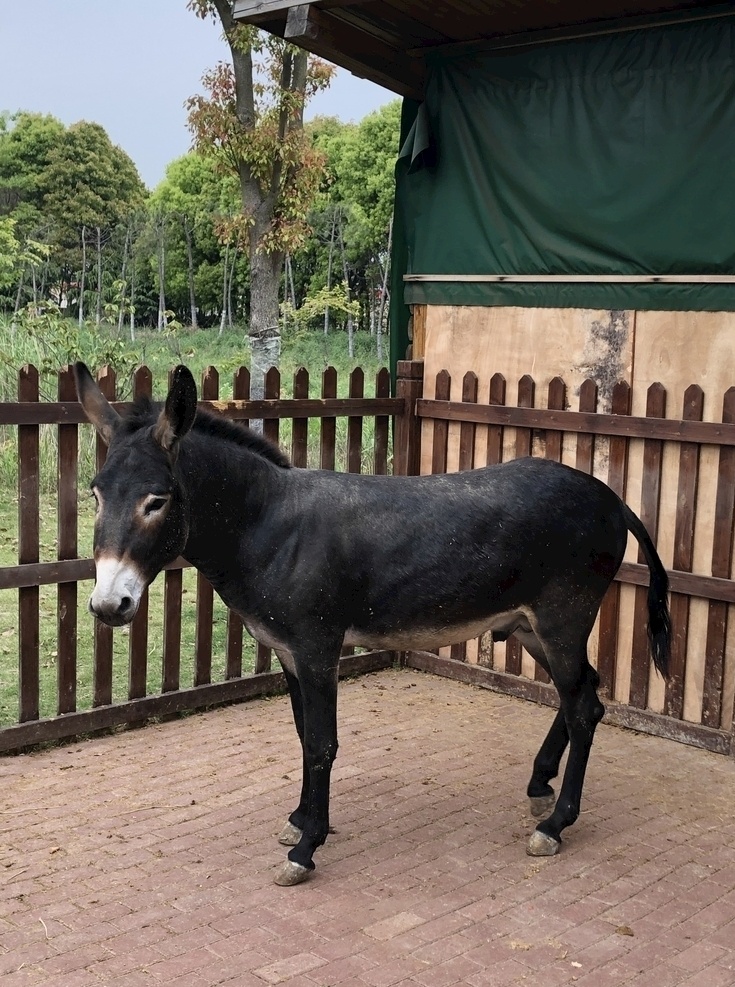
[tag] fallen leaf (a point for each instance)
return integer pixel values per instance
(624, 930)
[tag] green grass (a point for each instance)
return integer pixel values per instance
(198, 350)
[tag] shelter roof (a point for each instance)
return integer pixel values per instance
(387, 42)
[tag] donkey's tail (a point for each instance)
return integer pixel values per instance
(659, 621)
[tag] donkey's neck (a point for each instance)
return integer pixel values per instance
(228, 487)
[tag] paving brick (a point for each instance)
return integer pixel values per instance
(443, 948)
(505, 972)
(393, 926)
(344, 969)
(699, 956)
(288, 968)
(73, 978)
(711, 977)
(456, 970)
(394, 972)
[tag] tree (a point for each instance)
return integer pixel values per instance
(26, 142)
(70, 190)
(195, 199)
(251, 122)
(88, 182)
(90, 186)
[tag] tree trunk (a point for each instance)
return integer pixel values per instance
(190, 260)
(329, 269)
(290, 289)
(19, 292)
(98, 311)
(346, 275)
(160, 229)
(384, 290)
(265, 336)
(44, 276)
(123, 274)
(284, 312)
(132, 299)
(230, 280)
(225, 268)
(371, 305)
(84, 270)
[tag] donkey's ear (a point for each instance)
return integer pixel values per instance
(96, 406)
(179, 411)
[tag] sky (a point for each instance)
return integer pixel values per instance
(130, 66)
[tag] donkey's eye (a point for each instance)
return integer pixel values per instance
(155, 504)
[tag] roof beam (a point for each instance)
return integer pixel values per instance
(323, 33)
(255, 10)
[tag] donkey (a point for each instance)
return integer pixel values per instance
(314, 560)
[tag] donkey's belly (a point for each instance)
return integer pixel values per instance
(419, 638)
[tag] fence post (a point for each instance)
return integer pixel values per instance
(28, 552)
(407, 429)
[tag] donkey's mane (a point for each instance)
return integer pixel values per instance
(144, 413)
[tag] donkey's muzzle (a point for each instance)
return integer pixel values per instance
(116, 615)
(117, 591)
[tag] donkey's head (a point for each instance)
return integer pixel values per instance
(142, 514)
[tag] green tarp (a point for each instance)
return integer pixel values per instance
(610, 155)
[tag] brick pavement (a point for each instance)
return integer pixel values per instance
(146, 858)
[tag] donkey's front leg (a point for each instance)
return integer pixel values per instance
(292, 831)
(318, 685)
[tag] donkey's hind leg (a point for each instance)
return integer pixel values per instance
(541, 795)
(577, 684)
(562, 634)
(546, 766)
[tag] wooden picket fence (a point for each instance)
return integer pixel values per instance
(677, 472)
(322, 447)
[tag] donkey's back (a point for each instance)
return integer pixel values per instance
(424, 562)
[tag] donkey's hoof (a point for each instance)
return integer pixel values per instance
(290, 874)
(542, 805)
(541, 845)
(289, 835)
